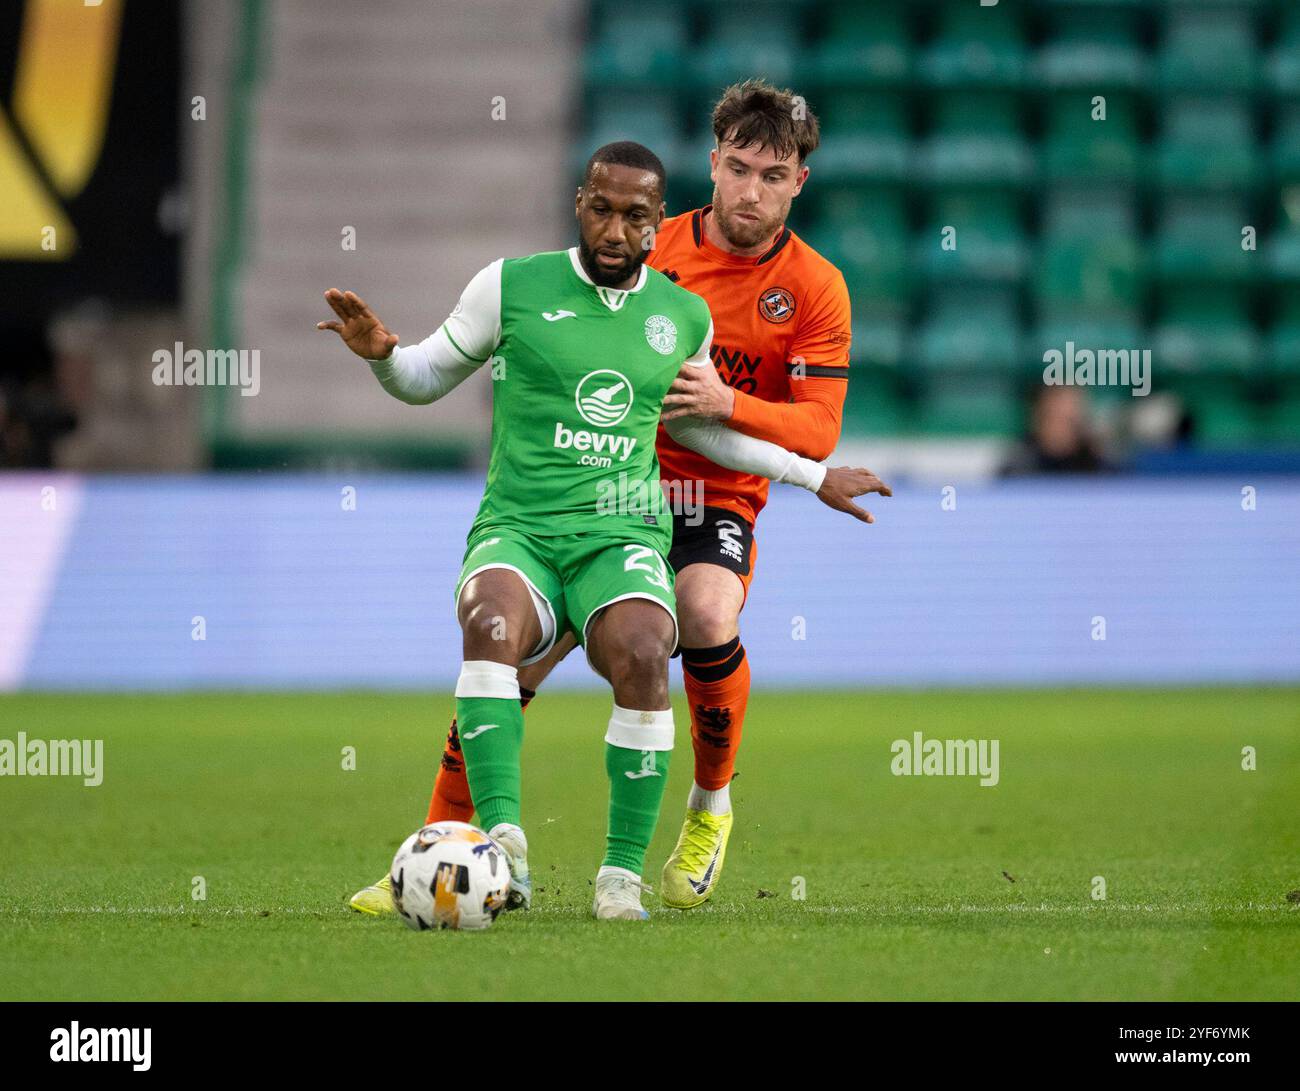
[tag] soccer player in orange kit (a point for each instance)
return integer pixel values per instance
(781, 355)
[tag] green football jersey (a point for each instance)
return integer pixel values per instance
(579, 373)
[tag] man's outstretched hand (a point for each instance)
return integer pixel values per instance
(361, 331)
(843, 483)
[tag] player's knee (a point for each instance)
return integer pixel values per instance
(640, 654)
(708, 622)
(486, 628)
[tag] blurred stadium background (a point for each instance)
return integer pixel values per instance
(199, 173)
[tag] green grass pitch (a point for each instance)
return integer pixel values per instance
(909, 880)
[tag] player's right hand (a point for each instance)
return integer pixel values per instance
(361, 331)
(843, 483)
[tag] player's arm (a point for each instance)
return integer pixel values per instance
(835, 486)
(423, 373)
(818, 368)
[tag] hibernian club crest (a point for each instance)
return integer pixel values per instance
(661, 333)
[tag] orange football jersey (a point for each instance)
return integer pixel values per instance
(781, 330)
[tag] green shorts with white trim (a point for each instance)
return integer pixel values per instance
(572, 576)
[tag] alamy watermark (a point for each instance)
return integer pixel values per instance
(1105, 367)
(179, 366)
(651, 500)
(26, 757)
(922, 757)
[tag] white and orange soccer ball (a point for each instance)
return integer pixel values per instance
(449, 875)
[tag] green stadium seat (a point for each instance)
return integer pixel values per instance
(1282, 255)
(1198, 240)
(1092, 49)
(971, 329)
(1208, 48)
(976, 139)
(758, 38)
(1077, 148)
(1204, 330)
(874, 404)
(976, 47)
(864, 138)
(1222, 412)
(1086, 331)
(972, 405)
(1284, 62)
(1090, 257)
(864, 43)
(1207, 143)
(990, 243)
(648, 117)
(1284, 337)
(879, 339)
(1286, 143)
(689, 186)
(1101, 275)
(1282, 418)
(642, 45)
(865, 234)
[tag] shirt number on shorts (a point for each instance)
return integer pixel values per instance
(655, 572)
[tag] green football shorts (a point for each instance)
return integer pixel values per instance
(572, 576)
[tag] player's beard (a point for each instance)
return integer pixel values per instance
(609, 278)
(742, 234)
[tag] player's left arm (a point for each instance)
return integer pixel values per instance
(818, 368)
(835, 486)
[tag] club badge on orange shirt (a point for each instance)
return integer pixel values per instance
(776, 305)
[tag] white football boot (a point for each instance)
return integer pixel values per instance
(618, 895)
(512, 839)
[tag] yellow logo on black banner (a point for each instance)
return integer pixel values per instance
(63, 83)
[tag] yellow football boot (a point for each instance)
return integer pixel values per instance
(376, 899)
(693, 870)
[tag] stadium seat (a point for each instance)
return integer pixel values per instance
(1282, 254)
(1284, 62)
(864, 43)
(975, 47)
(990, 243)
(1204, 330)
(1077, 148)
(1222, 412)
(648, 117)
(757, 38)
(1284, 338)
(1084, 330)
(970, 328)
(1092, 49)
(1282, 418)
(865, 234)
(1199, 240)
(1286, 143)
(1206, 143)
(972, 405)
(874, 404)
(864, 138)
(879, 338)
(1098, 276)
(976, 138)
(1209, 48)
(637, 46)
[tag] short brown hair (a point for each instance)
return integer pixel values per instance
(755, 112)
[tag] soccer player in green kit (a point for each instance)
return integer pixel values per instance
(573, 529)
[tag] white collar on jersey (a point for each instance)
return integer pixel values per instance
(613, 298)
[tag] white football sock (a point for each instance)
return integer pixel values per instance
(716, 802)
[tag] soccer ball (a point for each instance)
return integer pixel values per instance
(449, 875)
